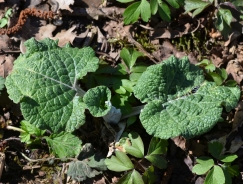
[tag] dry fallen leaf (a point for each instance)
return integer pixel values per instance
(45, 32)
(236, 143)
(235, 70)
(65, 37)
(64, 4)
(4, 40)
(6, 65)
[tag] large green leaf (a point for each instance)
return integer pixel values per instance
(44, 81)
(168, 80)
(89, 164)
(172, 108)
(95, 100)
(64, 144)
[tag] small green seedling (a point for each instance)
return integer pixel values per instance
(225, 13)
(145, 9)
(134, 146)
(4, 20)
(218, 75)
(62, 145)
(220, 172)
(121, 79)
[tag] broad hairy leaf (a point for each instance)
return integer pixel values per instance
(133, 177)
(203, 166)
(172, 108)
(89, 164)
(64, 144)
(95, 100)
(215, 176)
(80, 171)
(120, 162)
(28, 131)
(44, 81)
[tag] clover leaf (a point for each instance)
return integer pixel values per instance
(179, 101)
(44, 81)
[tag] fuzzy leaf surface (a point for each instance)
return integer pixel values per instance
(64, 144)
(80, 171)
(2, 82)
(172, 108)
(29, 130)
(44, 81)
(95, 100)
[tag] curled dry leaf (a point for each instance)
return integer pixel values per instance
(65, 37)
(6, 65)
(64, 4)
(235, 70)
(238, 117)
(45, 32)
(4, 40)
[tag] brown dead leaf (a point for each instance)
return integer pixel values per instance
(45, 32)
(4, 40)
(6, 65)
(180, 142)
(238, 117)
(235, 70)
(65, 37)
(236, 143)
(64, 4)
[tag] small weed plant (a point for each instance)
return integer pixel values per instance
(218, 169)
(177, 99)
(133, 145)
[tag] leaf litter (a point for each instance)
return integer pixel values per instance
(110, 36)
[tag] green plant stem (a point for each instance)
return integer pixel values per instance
(9, 127)
(135, 111)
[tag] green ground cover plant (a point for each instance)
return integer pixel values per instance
(4, 20)
(133, 145)
(174, 107)
(220, 172)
